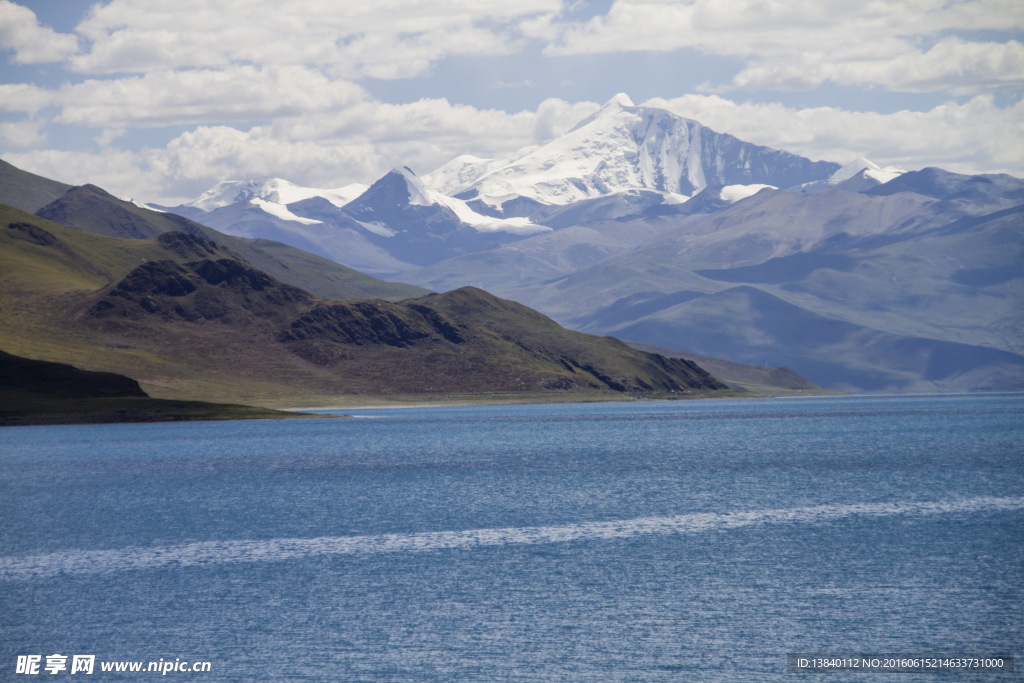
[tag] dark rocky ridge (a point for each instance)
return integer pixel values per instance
(225, 288)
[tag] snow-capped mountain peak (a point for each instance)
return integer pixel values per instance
(853, 168)
(617, 105)
(273, 190)
(857, 176)
(621, 147)
(281, 211)
(419, 194)
(734, 193)
(619, 101)
(870, 169)
(141, 205)
(458, 172)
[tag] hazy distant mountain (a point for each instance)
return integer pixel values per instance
(998, 188)
(765, 225)
(331, 234)
(259, 209)
(393, 225)
(421, 226)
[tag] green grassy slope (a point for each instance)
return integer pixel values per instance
(48, 271)
(92, 209)
(39, 256)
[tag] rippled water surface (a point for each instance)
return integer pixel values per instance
(663, 541)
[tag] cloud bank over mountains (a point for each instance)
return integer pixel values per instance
(900, 46)
(162, 100)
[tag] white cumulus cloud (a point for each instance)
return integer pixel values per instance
(901, 45)
(236, 93)
(32, 42)
(24, 97)
(21, 133)
(383, 39)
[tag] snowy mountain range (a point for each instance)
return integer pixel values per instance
(648, 226)
(620, 160)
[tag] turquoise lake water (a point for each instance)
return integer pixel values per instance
(661, 541)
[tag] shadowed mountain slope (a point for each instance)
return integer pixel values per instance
(90, 208)
(58, 379)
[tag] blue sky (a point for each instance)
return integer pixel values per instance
(162, 100)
